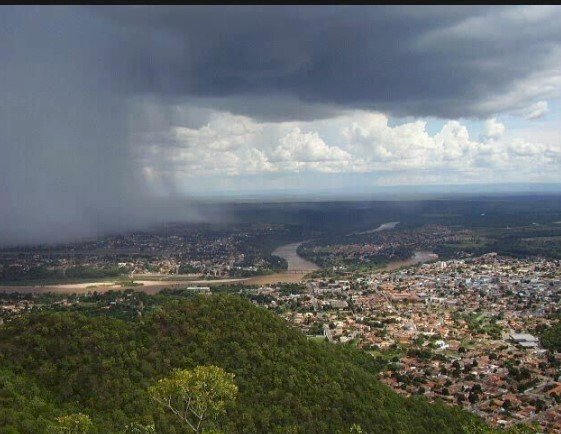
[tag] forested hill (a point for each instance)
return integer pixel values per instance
(53, 364)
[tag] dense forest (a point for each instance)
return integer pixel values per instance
(60, 363)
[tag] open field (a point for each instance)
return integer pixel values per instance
(148, 286)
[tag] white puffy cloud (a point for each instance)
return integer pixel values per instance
(306, 147)
(406, 146)
(493, 129)
(380, 146)
(354, 142)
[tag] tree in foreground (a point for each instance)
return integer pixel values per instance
(77, 423)
(196, 396)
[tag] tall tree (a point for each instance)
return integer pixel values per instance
(196, 396)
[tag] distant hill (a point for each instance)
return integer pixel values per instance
(59, 363)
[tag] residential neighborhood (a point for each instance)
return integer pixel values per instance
(461, 331)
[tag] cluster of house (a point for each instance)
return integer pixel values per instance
(381, 245)
(210, 253)
(463, 331)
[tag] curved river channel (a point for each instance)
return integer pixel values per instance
(295, 261)
(298, 267)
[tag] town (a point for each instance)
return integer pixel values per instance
(193, 251)
(461, 331)
(464, 330)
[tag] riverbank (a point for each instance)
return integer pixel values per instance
(298, 268)
(148, 286)
(296, 263)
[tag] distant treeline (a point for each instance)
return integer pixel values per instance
(517, 242)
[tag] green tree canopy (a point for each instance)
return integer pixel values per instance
(76, 423)
(197, 395)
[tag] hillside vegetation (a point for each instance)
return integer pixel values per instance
(59, 363)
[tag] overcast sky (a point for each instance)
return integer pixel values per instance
(104, 107)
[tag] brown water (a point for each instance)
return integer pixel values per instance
(295, 261)
(298, 267)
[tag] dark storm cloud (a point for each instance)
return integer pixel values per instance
(71, 79)
(65, 158)
(384, 58)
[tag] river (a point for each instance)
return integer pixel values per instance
(298, 267)
(295, 261)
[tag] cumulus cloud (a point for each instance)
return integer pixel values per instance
(493, 129)
(306, 147)
(355, 142)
